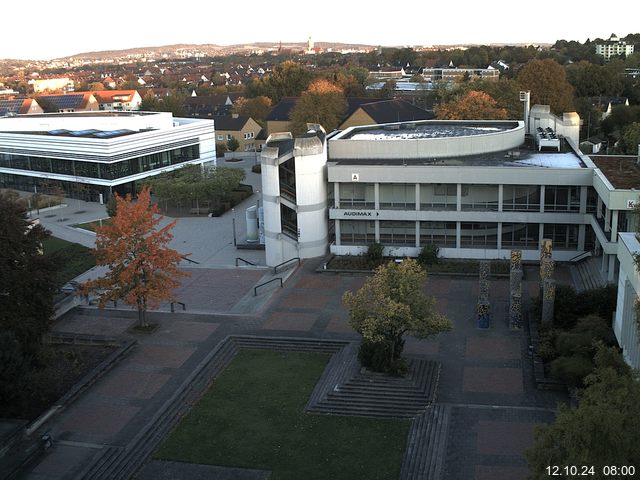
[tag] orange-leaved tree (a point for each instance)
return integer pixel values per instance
(143, 271)
(474, 105)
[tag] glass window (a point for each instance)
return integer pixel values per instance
(521, 235)
(479, 235)
(480, 197)
(564, 237)
(357, 194)
(357, 232)
(398, 233)
(561, 199)
(521, 198)
(442, 234)
(438, 196)
(398, 196)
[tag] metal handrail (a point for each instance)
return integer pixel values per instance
(184, 257)
(255, 289)
(581, 256)
(275, 269)
(245, 261)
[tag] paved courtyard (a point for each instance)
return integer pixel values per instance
(486, 377)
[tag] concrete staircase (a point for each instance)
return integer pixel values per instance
(427, 445)
(586, 274)
(363, 393)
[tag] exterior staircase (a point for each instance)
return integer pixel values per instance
(586, 274)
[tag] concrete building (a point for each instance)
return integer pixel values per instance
(93, 154)
(613, 48)
(294, 194)
(40, 85)
(625, 324)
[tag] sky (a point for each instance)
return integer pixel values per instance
(58, 30)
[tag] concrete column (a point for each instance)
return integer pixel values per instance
(583, 199)
(336, 195)
(418, 233)
(540, 233)
(458, 242)
(417, 196)
(542, 192)
(337, 232)
(548, 300)
(499, 246)
(377, 229)
(582, 231)
(607, 220)
(612, 268)
(376, 198)
(614, 225)
(603, 263)
(500, 196)
(599, 208)
(459, 197)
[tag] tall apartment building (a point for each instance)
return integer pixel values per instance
(613, 48)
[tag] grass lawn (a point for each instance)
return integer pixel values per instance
(73, 258)
(91, 226)
(253, 417)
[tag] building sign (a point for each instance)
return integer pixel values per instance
(360, 213)
(355, 177)
(631, 204)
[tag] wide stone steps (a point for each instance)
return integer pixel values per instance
(373, 394)
(427, 445)
(120, 463)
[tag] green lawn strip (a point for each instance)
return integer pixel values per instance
(72, 258)
(91, 226)
(253, 417)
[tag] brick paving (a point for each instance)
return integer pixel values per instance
(486, 378)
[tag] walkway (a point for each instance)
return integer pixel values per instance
(486, 382)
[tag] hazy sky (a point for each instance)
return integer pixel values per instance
(47, 30)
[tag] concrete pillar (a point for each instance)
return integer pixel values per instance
(458, 229)
(459, 197)
(336, 195)
(418, 233)
(499, 244)
(599, 208)
(483, 308)
(337, 232)
(500, 196)
(417, 196)
(376, 196)
(614, 225)
(542, 192)
(607, 220)
(612, 269)
(582, 232)
(583, 199)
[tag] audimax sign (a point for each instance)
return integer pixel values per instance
(360, 213)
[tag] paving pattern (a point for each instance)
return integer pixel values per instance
(481, 421)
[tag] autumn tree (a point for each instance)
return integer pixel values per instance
(323, 103)
(143, 271)
(472, 106)
(547, 81)
(289, 79)
(257, 108)
(390, 304)
(603, 430)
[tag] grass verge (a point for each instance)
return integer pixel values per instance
(91, 226)
(72, 258)
(253, 417)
